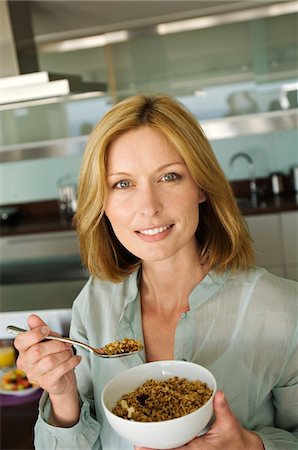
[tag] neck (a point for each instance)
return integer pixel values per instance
(166, 286)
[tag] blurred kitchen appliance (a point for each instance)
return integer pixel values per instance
(277, 183)
(242, 103)
(9, 214)
(294, 178)
(67, 198)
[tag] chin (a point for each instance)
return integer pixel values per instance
(154, 255)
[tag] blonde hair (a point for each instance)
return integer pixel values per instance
(222, 235)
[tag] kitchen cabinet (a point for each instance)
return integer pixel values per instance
(266, 234)
(275, 239)
(40, 271)
(239, 88)
(39, 245)
(250, 90)
(53, 295)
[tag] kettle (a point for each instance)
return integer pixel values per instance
(277, 183)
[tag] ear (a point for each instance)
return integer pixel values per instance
(201, 196)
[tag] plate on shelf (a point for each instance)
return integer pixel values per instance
(20, 393)
(16, 377)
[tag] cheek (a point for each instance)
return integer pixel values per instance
(119, 219)
(195, 216)
(190, 201)
(114, 211)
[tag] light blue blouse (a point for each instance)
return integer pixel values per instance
(242, 327)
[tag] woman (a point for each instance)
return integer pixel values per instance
(172, 265)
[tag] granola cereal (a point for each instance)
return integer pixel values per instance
(156, 401)
(125, 346)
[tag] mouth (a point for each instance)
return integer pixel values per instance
(154, 230)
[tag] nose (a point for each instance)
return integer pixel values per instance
(149, 202)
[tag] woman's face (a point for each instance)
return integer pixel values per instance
(152, 200)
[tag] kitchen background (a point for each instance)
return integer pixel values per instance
(234, 64)
(63, 64)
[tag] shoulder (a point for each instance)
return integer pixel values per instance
(270, 301)
(266, 285)
(264, 296)
(275, 288)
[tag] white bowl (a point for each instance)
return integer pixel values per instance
(169, 433)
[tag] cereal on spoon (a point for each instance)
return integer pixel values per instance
(125, 346)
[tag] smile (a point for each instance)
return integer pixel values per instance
(154, 231)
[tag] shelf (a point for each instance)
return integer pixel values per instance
(43, 149)
(224, 128)
(51, 100)
(245, 125)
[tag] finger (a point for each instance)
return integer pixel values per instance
(50, 362)
(25, 340)
(224, 418)
(35, 321)
(40, 351)
(50, 378)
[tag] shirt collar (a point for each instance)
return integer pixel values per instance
(204, 290)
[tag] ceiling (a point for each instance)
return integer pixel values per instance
(62, 19)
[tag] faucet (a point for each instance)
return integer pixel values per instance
(252, 174)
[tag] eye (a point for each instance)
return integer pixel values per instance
(168, 177)
(122, 184)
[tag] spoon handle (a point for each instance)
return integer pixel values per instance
(96, 351)
(17, 330)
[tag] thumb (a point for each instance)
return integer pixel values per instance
(224, 418)
(35, 321)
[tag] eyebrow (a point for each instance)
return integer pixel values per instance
(160, 168)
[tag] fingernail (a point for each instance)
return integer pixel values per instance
(44, 330)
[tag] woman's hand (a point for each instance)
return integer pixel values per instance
(226, 433)
(50, 363)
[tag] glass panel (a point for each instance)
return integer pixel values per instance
(62, 119)
(226, 70)
(89, 63)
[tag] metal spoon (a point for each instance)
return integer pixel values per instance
(96, 351)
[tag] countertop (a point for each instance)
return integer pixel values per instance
(268, 205)
(35, 217)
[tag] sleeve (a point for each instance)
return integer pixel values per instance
(277, 439)
(83, 435)
(86, 433)
(285, 397)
